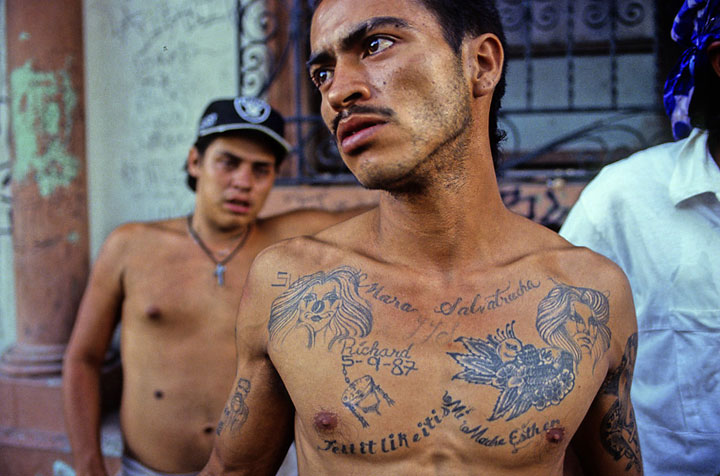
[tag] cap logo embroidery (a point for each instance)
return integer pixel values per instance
(252, 110)
(208, 121)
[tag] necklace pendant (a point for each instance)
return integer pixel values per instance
(220, 274)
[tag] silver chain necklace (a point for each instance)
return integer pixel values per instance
(219, 264)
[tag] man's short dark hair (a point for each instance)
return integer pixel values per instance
(471, 18)
(204, 142)
(705, 103)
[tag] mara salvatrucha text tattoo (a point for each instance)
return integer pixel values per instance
(481, 305)
(618, 431)
(575, 319)
(526, 376)
(327, 307)
(236, 411)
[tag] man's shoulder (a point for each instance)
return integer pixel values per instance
(304, 222)
(137, 229)
(150, 233)
(582, 267)
(298, 252)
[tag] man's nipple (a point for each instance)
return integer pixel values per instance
(325, 421)
(153, 312)
(555, 435)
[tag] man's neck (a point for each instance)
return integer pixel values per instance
(442, 229)
(213, 236)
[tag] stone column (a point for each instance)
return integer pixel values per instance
(45, 65)
(50, 226)
(49, 209)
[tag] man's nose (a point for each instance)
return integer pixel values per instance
(242, 177)
(349, 84)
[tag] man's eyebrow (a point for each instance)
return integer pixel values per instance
(238, 158)
(229, 155)
(355, 36)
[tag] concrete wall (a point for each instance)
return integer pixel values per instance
(151, 67)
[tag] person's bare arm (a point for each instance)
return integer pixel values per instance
(607, 442)
(91, 336)
(256, 427)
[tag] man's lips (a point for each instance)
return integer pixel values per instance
(237, 205)
(354, 132)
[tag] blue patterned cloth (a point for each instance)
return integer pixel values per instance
(696, 26)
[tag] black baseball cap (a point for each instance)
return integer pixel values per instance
(244, 113)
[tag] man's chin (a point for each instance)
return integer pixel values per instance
(392, 181)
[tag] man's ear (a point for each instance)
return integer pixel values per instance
(194, 160)
(486, 58)
(714, 56)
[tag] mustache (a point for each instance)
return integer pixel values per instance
(345, 113)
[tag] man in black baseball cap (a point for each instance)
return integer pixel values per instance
(248, 116)
(175, 285)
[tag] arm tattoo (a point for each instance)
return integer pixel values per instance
(327, 307)
(526, 376)
(236, 411)
(618, 431)
(575, 319)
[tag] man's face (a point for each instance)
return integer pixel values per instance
(234, 178)
(393, 91)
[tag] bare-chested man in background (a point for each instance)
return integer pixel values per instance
(438, 334)
(175, 286)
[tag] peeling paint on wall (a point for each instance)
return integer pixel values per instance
(73, 237)
(42, 110)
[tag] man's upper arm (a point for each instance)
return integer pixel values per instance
(607, 441)
(99, 308)
(256, 425)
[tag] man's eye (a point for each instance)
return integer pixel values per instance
(377, 45)
(228, 163)
(320, 76)
(261, 170)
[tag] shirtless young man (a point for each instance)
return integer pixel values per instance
(175, 286)
(438, 334)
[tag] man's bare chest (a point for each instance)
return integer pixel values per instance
(491, 363)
